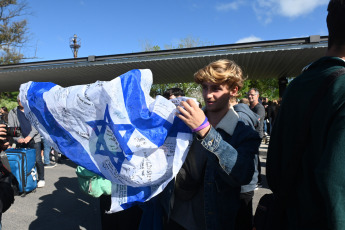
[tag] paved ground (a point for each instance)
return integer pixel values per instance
(60, 205)
(261, 191)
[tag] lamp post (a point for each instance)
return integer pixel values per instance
(74, 44)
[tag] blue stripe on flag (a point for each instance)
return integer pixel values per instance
(178, 127)
(67, 144)
(136, 195)
(149, 124)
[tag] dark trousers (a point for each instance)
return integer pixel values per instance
(259, 170)
(128, 219)
(39, 162)
(172, 225)
(244, 220)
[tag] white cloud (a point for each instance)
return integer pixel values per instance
(229, 6)
(295, 8)
(266, 9)
(251, 38)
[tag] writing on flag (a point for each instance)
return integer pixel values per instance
(114, 129)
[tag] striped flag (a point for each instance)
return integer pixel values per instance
(114, 129)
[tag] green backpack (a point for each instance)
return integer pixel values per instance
(91, 183)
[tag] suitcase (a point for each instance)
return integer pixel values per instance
(22, 163)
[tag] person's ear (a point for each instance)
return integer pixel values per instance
(234, 91)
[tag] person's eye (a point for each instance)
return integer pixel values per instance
(216, 88)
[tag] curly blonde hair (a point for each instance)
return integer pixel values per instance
(223, 71)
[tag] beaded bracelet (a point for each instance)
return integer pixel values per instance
(202, 126)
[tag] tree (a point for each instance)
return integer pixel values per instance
(267, 88)
(190, 89)
(9, 101)
(13, 36)
(188, 42)
(13, 30)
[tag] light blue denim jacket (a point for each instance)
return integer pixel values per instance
(229, 150)
(230, 166)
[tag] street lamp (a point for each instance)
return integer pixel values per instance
(74, 44)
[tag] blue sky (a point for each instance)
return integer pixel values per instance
(108, 27)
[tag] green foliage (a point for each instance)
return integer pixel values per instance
(9, 99)
(147, 46)
(13, 36)
(156, 48)
(267, 88)
(13, 30)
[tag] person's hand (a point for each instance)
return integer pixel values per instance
(3, 133)
(5, 145)
(192, 116)
(27, 139)
(21, 141)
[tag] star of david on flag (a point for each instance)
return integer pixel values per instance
(114, 129)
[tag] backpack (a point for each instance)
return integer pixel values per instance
(92, 184)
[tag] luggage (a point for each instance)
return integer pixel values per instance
(22, 163)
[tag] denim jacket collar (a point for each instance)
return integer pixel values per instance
(229, 121)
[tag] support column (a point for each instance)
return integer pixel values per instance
(282, 85)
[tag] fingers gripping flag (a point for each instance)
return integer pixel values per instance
(114, 129)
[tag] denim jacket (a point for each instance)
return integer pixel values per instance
(229, 150)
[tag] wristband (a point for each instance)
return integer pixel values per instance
(206, 120)
(202, 126)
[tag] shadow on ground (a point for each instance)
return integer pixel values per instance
(67, 208)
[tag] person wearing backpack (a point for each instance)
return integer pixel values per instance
(306, 172)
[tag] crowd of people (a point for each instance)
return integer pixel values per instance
(214, 188)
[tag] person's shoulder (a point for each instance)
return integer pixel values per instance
(259, 108)
(259, 105)
(244, 131)
(12, 111)
(245, 134)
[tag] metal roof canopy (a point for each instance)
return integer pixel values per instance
(259, 60)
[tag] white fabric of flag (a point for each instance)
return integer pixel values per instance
(114, 129)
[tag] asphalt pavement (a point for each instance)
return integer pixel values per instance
(61, 205)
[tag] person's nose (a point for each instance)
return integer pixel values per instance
(209, 94)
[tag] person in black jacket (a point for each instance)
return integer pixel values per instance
(6, 190)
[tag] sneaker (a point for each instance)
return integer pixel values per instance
(41, 184)
(50, 165)
(257, 186)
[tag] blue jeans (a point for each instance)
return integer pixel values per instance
(265, 126)
(46, 152)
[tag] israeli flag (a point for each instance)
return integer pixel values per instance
(114, 129)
